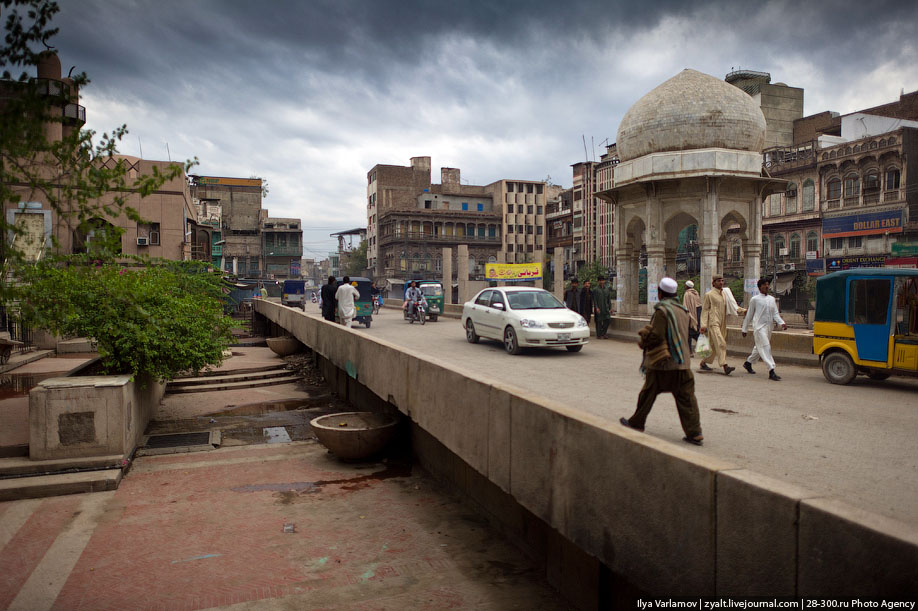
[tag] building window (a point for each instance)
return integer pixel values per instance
(528, 229)
(790, 198)
(872, 181)
(775, 205)
(519, 229)
(852, 186)
(481, 207)
(519, 208)
(855, 241)
(765, 243)
(736, 251)
(539, 230)
(837, 243)
(812, 242)
(529, 187)
(833, 189)
(809, 195)
(892, 179)
(795, 246)
(465, 206)
(427, 204)
(539, 209)
(779, 244)
(538, 189)
(509, 228)
(529, 209)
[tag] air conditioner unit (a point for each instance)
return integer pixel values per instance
(788, 267)
(154, 238)
(143, 241)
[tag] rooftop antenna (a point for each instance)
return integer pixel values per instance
(586, 156)
(593, 147)
(140, 144)
(168, 154)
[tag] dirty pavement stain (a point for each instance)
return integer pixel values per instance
(723, 411)
(289, 490)
(204, 557)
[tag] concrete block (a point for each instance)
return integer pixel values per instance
(454, 409)
(756, 535)
(499, 437)
(848, 552)
(536, 439)
(641, 505)
(40, 486)
(665, 163)
(384, 370)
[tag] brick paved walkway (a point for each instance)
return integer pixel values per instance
(204, 530)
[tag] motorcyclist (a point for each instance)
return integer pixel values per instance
(376, 295)
(412, 296)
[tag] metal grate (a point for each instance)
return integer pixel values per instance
(178, 440)
(560, 325)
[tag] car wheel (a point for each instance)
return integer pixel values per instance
(470, 334)
(511, 345)
(838, 368)
(367, 323)
(878, 375)
(577, 348)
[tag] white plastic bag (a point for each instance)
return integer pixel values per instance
(703, 347)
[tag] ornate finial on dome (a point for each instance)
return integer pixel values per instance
(692, 110)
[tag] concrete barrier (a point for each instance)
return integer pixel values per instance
(602, 504)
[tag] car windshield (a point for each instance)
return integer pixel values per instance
(431, 290)
(533, 300)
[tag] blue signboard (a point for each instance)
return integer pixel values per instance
(866, 223)
(838, 263)
(815, 267)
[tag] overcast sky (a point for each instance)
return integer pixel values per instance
(312, 94)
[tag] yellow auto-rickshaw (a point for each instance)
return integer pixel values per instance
(867, 322)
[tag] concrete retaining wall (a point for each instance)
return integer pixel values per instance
(659, 517)
(75, 417)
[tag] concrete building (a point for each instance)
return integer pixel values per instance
(780, 104)
(559, 226)
(410, 220)
(604, 173)
(239, 200)
(584, 211)
(171, 232)
(690, 154)
(282, 244)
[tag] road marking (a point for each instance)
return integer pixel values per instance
(15, 517)
(49, 577)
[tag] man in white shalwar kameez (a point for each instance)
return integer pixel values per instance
(345, 296)
(763, 316)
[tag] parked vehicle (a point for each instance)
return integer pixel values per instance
(364, 303)
(522, 317)
(867, 322)
(294, 294)
(433, 293)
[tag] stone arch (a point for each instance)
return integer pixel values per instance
(674, 225)
(634, 232)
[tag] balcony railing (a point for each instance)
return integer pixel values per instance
(832, 204)
(217, 251)
(871, 198)
(75, 113)
(851, 200)
(283, 251)
(415, 236)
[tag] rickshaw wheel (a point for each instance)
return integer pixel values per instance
(838, 368)
(433, 318)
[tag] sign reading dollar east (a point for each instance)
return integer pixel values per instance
(513, 272)
(868, 223)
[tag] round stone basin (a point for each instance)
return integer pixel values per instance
(284, 346)
(354, 435)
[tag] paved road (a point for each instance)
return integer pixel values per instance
(853, 442)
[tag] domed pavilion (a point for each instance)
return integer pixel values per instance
(690, 152)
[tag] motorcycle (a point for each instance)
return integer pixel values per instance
(315, 297)
(377, 302)
(416, 312)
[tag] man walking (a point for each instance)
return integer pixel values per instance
(666, 364)
(602, 307)
(714, 323)
(692, 302)
(327, 295)
(763, 315)
(346, 294)
(586, 301)
(572, 296)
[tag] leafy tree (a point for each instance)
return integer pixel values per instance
(264, 185)
(356, 261)
(154, 316)
(79, 178)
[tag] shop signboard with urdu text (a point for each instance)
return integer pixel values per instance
(513, 272)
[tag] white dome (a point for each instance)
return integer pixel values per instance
(692, 110)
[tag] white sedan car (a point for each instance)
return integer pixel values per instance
(523, 317)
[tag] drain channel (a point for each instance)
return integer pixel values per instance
(177, 440)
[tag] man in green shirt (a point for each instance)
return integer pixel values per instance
(602, 307)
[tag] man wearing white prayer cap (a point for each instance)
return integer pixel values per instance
(692, 302)
(665, 342)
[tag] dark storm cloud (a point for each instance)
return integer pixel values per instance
(313, 93)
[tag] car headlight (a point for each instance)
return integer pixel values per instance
(527, 323)
(582, 322)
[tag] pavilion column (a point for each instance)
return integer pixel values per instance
(656, 246)
(709, 235)
(669, 260)
(752, 254)
(462, 272)
(447, 266)
(655, 254)
(624, 281)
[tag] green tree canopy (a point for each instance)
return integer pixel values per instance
(154, 316)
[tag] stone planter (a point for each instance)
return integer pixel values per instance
(355, 435)
(284, 346)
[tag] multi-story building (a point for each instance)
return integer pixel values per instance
(410, 220)
(282, 244)
(559, 226)
(781, 104)
(584, 211)
(604, 180)
(170, 230)
(239, 200)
